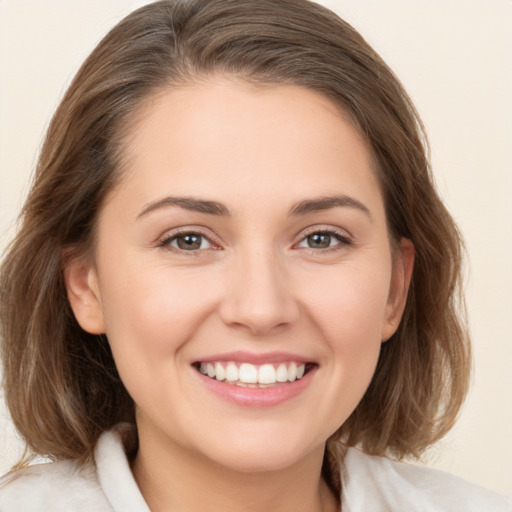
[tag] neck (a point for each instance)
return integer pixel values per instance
(173, 478)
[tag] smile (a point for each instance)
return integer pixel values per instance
(255, 376)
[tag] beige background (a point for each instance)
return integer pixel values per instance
(454, 57)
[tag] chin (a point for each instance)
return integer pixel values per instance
(266, 455)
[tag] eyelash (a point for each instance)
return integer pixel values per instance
(342, 238)
(166, 242)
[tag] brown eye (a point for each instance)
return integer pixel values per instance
(319, 240)
(188, 242)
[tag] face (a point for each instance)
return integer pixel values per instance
(243, 272)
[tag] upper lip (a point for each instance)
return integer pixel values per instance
(255, 358)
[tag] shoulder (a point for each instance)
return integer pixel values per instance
(105, 485)
(56, 486)
(381, 485)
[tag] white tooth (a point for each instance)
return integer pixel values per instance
(203, 369)
(267, 374)
(292, 372)
(282, 373)
(248, 373)
(300, 371)
(211, 370)
(220, 373)
(231, 372)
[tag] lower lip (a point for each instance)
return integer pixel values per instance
(257, 397)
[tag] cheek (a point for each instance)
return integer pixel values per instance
(348, 310)
(150, 316)
(149, 319)
(348, 304)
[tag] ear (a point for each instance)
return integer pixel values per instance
(403, 263)
(83, 292)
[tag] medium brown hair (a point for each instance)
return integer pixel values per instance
(61, 384)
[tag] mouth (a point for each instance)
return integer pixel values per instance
(250, 375)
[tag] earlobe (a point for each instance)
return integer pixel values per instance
(403, 264)
(81, 282)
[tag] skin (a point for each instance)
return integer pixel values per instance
(255, 284)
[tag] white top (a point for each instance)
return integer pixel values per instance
(370, 484)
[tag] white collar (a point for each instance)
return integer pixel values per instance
(114, 473)
(369, 483)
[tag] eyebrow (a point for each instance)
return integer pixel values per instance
(187, 203)
(216, 208)
(326, 203)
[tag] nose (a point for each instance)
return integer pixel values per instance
(259, 297)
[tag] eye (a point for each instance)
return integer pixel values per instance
(187, 241)
(323, 240)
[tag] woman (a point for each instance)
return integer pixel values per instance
(233, 269)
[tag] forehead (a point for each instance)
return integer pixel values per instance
(238, 140)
